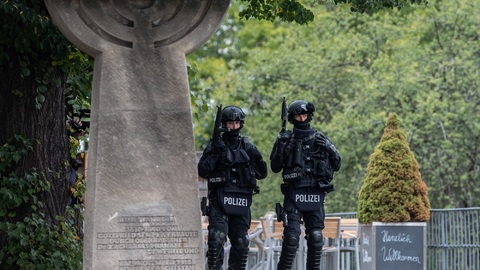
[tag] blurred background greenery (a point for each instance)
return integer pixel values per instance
(420, 62)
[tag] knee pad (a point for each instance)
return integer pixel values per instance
(291, 241)
(291, 238)
(216, 238)
(315, 238)
(238, 253)
(241, 243)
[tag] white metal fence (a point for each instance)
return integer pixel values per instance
(453, 241)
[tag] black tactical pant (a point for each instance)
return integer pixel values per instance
(236, 228)
(314, 224)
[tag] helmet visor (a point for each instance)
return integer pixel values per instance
(300, 109)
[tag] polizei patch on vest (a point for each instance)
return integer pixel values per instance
(235, 202)
(216, 179)
(307, 199)
(292, 176)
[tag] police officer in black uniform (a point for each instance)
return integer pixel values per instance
(308, 159)
(232, 166)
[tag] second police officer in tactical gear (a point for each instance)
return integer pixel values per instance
(231, 165)
(307, 159)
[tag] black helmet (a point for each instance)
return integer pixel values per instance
(233, 113)
(300, 107)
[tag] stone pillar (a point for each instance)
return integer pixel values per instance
(142, 208)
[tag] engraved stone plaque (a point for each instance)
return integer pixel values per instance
(142, 208)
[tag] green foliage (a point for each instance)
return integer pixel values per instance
(36, 24)
(393, 189)
(37, 56)
(356, 68)
(370, 6)
(11, 153)
(295, 11)
(29, 46)
(286, 10)
(78, 91)
(16, 191)
(32, 243)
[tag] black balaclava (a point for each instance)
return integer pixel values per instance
(232, 137)
(302, 125)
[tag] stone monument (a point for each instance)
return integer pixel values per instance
(142, 207)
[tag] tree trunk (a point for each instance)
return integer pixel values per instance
(44, 126)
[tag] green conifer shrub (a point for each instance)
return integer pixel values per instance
(393, 189)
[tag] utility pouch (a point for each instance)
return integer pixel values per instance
(297, 153)
(307, 199)
(322, 167)
(234, 200)
(247, 176)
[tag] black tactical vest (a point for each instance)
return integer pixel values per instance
(306, 164)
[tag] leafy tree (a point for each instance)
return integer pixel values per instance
(356, 68)
(295, 11)
(449, 152)
(37, 228)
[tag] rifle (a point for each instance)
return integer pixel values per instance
(217, 126)
(284, 115)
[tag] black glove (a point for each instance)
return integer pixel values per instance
(219, 145)
(220, 149)
(322, 141)
(283, 138)
(254, 154)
